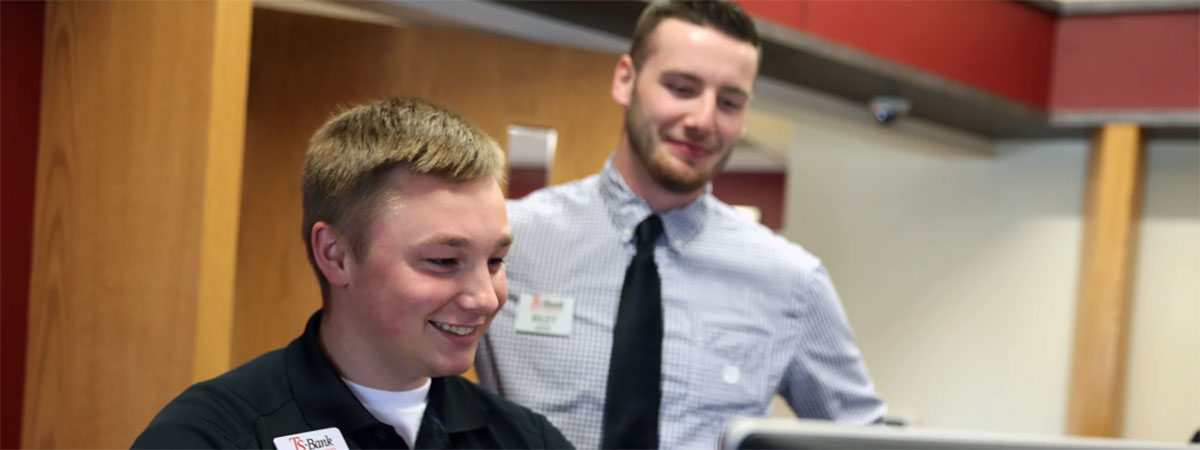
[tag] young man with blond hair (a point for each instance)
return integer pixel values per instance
(406, 230)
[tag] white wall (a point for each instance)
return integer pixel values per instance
(957, 267)
(1163, 394)
(957, 261)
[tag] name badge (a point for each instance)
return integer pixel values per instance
(326, 439)
(540, 314)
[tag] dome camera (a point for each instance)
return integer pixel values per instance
(887, 109)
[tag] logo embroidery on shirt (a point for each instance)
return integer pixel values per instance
(326, 439)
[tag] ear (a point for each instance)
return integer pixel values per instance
(329, 252)
(623, 78)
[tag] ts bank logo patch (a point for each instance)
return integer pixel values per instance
(549, 305)
(326, 439)
(312, 444)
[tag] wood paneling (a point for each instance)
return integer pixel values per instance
(120, 215)
(302, 68)
(1112, 212)
(223, 188)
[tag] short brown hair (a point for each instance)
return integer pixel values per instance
(350, 157)
(723, 15)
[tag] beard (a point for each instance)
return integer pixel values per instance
(643, 140)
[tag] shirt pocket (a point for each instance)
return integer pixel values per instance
(732, 374)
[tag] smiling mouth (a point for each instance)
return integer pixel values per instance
(461, 331)
(690, 150)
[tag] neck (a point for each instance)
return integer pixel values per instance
(641, 183)
(354, 359)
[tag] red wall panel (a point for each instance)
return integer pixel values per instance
(764, 190)
(1131, 61)
(522, 181)
(787, 13)
(1003, 47)
(21, 26)
(999, 46)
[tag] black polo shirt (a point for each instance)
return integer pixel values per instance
(295, 389)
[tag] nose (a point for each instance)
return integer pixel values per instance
(480, 294)
(701, 121)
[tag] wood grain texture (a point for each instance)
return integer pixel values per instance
(222, 187)
(303, 68)
(1112, 212)
(119, 217)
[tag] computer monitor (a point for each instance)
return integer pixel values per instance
(762, 433)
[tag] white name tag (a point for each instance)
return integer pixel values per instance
(545, 315)
(326, 439)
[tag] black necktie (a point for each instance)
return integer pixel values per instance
(635, 367)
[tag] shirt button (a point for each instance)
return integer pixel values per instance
(731, 374)
(628, 233)
(677, 244)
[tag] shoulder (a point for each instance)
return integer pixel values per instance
(221, 412)
(755, 253)
(727, 224)
(527, 428)
(553, 201)
(554, 218)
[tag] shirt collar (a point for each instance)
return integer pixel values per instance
(627, 210)
(452, 409)
(456, 407)
(325, 401)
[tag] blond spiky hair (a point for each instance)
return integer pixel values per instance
(349, 158)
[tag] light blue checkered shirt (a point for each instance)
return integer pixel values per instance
(747, 314)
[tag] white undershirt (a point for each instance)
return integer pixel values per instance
(400, 409)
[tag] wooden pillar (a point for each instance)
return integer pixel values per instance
(135, 220)
(1112, 211)
(222, 189)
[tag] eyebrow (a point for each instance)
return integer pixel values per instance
(695, 79)
(680, 74)
(446, 240)
(505, 241)
(461, 242)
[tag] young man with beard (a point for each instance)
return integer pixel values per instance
(406, 230)
(644, 312)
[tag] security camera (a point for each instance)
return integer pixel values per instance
(887, 109)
